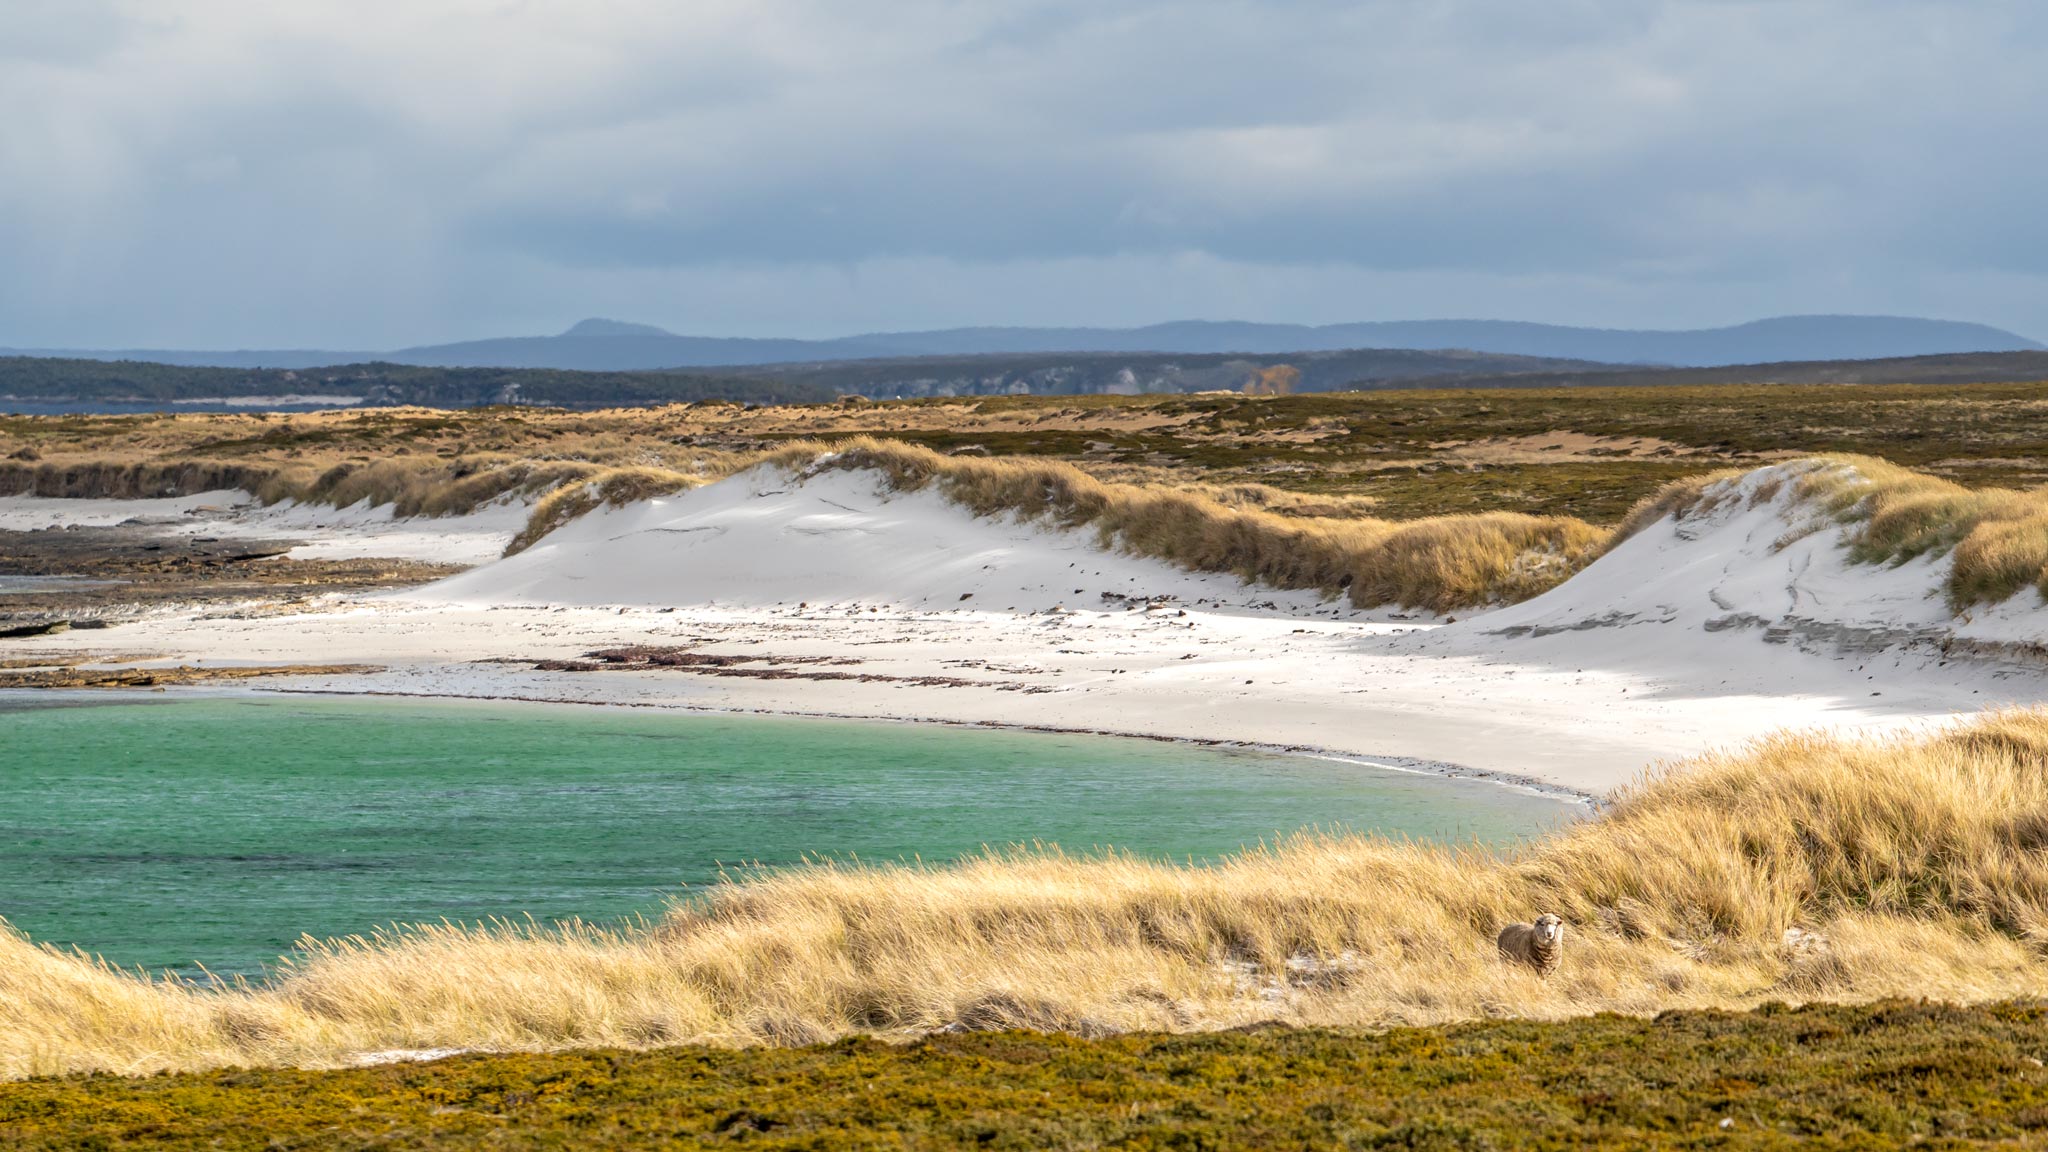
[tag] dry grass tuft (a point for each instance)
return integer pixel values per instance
(1266, 498)
(1450, 562)
(1996, 538)
(413, 486)
(1802, 867)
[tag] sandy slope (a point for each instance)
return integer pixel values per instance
(1753, 563)
(1693, 633)
(1754, 559)
(764, 538)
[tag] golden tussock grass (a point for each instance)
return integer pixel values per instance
(1802, 867)
(559, 489)
(130, 480)
(1996, 538)
(423, 487)
(1266, 498)
(412, 486)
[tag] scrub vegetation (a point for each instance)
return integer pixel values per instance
(1802, 868)
(1882, 1075)
(1591, 453)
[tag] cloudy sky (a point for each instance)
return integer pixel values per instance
(374, 173)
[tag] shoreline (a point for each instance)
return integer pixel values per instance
(1407, 764)
(1545, 714)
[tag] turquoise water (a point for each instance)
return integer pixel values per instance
(215, 831)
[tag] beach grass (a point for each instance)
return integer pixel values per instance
(1805, 867)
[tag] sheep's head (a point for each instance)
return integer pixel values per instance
(1549, 928)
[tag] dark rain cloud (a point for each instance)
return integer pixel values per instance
(341, 172)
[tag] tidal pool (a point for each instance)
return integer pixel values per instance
(215, 831)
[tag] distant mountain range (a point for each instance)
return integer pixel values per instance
(610, 345)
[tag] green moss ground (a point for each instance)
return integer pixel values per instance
(1879, 1076)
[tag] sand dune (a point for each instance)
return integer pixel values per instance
(766, 537)
(1759, 555)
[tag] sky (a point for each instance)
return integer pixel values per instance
(370, 174)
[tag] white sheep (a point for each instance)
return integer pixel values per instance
(1539, 945)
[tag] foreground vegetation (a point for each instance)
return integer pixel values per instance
(1881, 1075)
(1802, 868)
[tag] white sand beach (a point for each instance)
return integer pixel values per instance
(832, 596)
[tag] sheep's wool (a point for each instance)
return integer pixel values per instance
(1526, 944)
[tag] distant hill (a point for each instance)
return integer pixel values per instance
(611, 345)
(601, 344)
(1780, 339)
